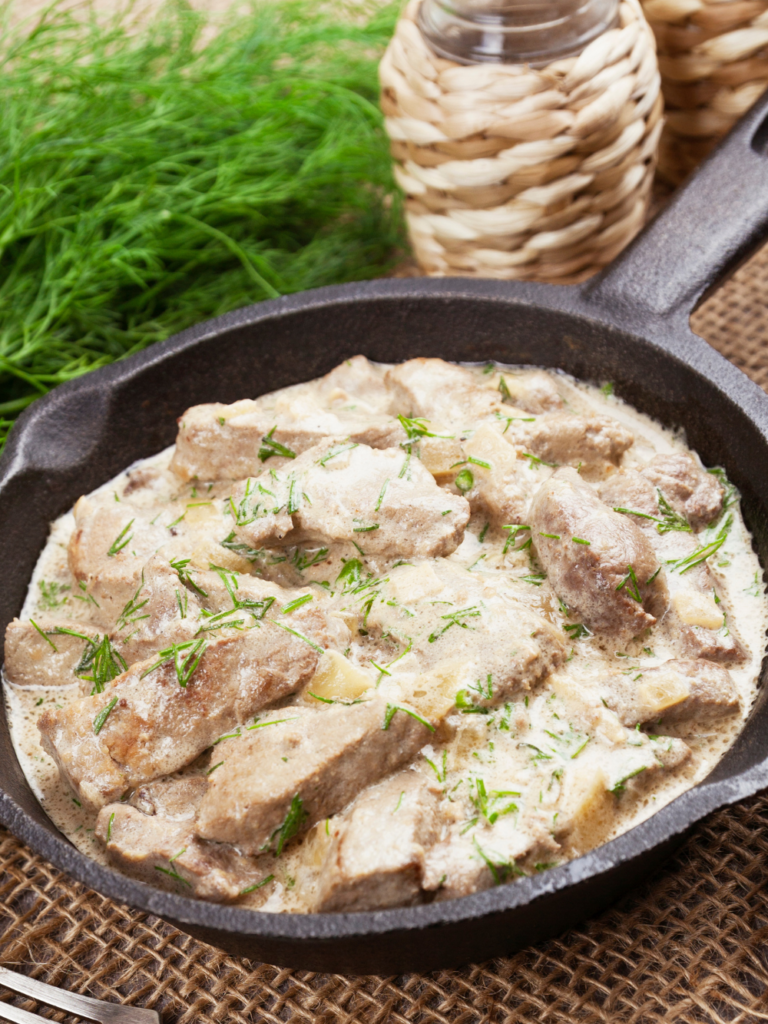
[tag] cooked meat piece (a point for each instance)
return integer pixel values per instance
(444, 394)
(47, 656)
(502, 484)
(160, 613)
(467, 631)
(356, 383)
(279, 780)
(599, 563)
(673, 692)
(632, 767)
(563, 439)
(150, 846)
(232, 442)
(382, 499)
(156, 726)
(714, 645)
(626, 488)
(107, 551)
(690, 490)
(532, 390)
(176, 797)
(374, 858)
(220, 591)
(697, 617)
(145, 487)
(461, 865)
(591, 788)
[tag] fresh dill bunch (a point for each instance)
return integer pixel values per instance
(153, 178)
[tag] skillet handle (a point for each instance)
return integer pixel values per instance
(708, 228)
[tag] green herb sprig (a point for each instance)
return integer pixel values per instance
(159, 175)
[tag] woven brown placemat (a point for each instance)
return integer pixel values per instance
(687, 946)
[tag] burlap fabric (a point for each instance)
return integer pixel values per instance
(688, 946)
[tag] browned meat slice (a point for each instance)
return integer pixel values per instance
(673, 692)
(374, 857)
(465, 631)
(599, 563)
(357, 385)
(444, 394)
(563, 439)
(222, 590)
(161, 612)
(382, 499)
(152, 721)
(278, 780)
(530, 390)
(690, 490)
(714, 645)
(155, 848)
(460, 865)
(628, 489)
(107, 551)
(232, 442)
(46, 652)
(175, 797)
(501, 483)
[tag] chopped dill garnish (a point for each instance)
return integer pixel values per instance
(185, 657)
(392, 710)
(702, 553)
(103, 715)
(121, 540)
(338, 450)
(305, 560)
(50, 594)
(101, 659)
(299, 635)
(130, 614)
(578, 631)
(291, 825)
(270, 447)
(185, 576)
(382, 492)
(296, 603)
(631, 584)
(512, 538)
(456, 619)
(256, 885)
(44, 636)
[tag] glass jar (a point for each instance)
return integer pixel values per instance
(513, 31)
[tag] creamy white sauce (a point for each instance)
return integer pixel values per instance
(480, 742)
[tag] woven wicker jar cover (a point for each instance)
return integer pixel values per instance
(713, 56)
(531, 173)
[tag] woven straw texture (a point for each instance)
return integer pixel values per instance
(713, 56)
(521, 173)
(688, 947)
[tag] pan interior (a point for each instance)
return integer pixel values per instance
(89, 431)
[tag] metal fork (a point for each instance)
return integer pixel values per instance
(61, 999)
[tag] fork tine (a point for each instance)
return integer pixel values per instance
(62, 999)
(16, 1015)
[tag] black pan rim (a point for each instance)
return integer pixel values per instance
(678, 344)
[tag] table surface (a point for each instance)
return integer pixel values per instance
(687, 946)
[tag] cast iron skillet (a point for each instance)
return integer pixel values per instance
(629, 326)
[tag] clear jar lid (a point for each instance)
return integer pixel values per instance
(513, 31)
